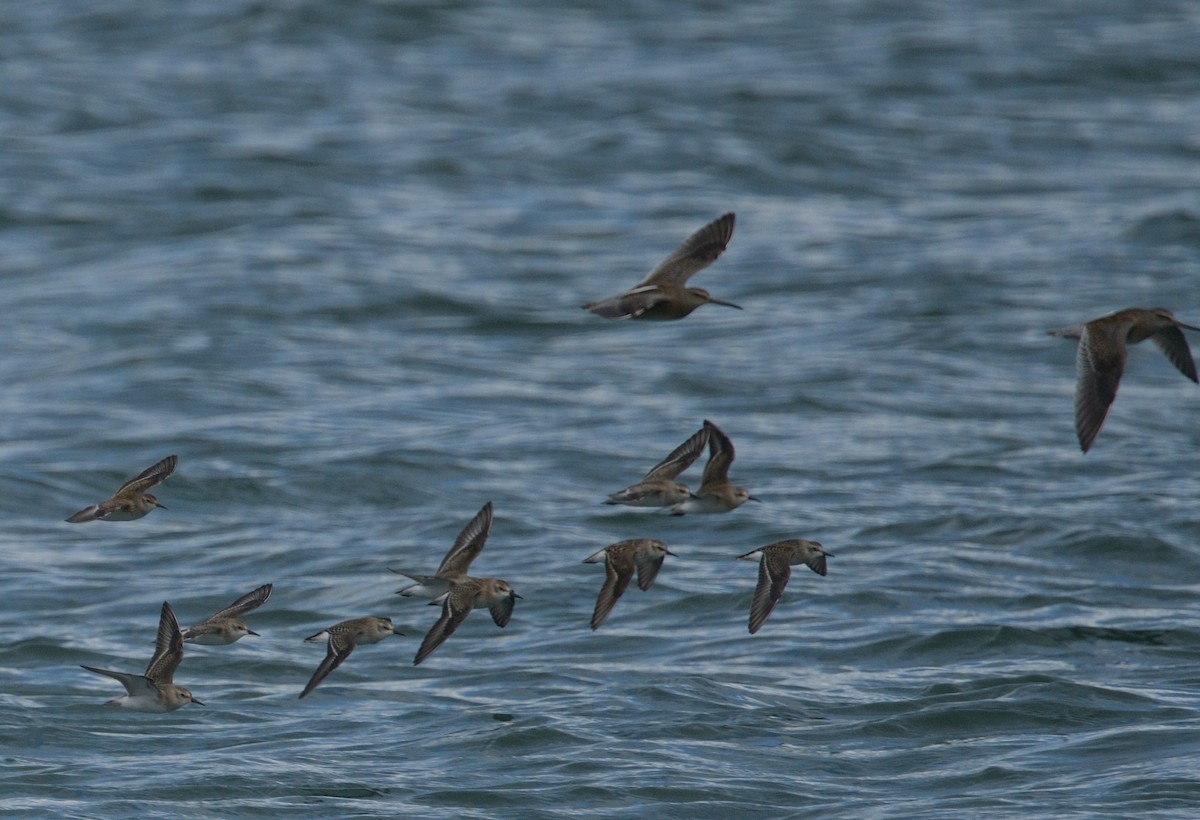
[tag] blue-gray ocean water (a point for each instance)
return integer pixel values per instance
(333, 256)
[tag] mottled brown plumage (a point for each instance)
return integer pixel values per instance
(495, 594)
(227, 626)
(155, 691)
(131, 501)
(454, 566)
(342, 638)
(775, 568)
(658, 487)
(642, 555)
(662, 294)
(716, 494)
(1103, 350)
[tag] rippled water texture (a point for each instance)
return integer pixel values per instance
(332, 255)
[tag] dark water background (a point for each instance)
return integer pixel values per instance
(332, 254)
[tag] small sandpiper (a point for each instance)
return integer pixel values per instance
(155, 690)
(227, 626)
(716, 493)
(457, 604)
(662, 295)
(775, 568)
(454, 566)
(658, 487)
(131, 501)
(343, 637)
(1102, 353)
(645, 555)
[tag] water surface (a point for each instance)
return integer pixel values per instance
(333, 255)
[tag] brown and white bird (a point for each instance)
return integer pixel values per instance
(454, 566)
(775, 568)
(716, 494)
(662, 294)
(155, 691)
(464, 594)
(226, 627)
(658, 487)
(642, 555)
(342, 638)
(131, 501)
(1103, 350)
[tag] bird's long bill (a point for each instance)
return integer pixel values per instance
(160, 506)
(754, 498)
(252, 632)
(668, 552)
(730, 304)
(1189, 327)
(198, 703)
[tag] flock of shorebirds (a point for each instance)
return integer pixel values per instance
(662, 295)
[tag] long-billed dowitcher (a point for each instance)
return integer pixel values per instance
(457, 604)
(645, 555)
(662, 295)
(131, 501)
(658, 488)
(454, 566)
(716, 493)
(227, 626)
(775, 568)
(1102, 353)
(343, 637)
(155, 690)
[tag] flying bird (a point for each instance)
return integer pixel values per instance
(662, 294)
(658, 487)
(454, 566)
(342, 638)
(641, 555)
(155, 691)
(1102, 352)
(775, 568)
(716, 494)
(227, 626)
(131, 501)
(457, 604)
